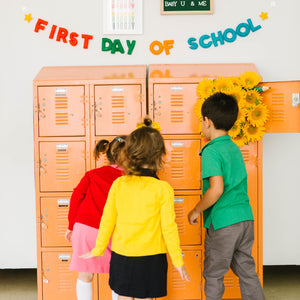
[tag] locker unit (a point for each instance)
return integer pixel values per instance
(172, 97)
(74, 107)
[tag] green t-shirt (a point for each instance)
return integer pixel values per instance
(222, 157)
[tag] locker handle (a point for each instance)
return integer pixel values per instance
(295, 99)
(178, 200)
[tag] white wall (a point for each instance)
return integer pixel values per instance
(274, 49)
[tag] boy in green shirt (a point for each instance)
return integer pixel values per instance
(227, 214)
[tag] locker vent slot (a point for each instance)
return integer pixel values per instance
(277, 107)
(118, 107)
(61, 117)
(246, 155)
(228, 281)
(65, 283)
(176, 102)
(177, 282)
(62, 166)
(62, 216)
(180, 217)
(177, 157)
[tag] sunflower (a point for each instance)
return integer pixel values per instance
(223, 84)
(241, 118)
(236, 81)
(205, 88)
(239, 94)
(253, 98)
(235, 130)
(253, 133)
(250, 80)
(240, 140)
(197, 109)
(258, 115)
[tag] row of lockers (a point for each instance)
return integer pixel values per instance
(54, 219)
(59, 280)
(63, 163)
(115, 109)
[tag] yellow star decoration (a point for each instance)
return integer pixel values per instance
(28, 18)
(264, 15)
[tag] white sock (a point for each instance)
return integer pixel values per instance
(84, 290)
(114, 295)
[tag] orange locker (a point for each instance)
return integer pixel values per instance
(173, 109)
(58, 281)
(62, 165)
(54, 221)
(283, 101)
(61, 111)
(118, 108)
(188, 234)
(182, 163)
(179, 289)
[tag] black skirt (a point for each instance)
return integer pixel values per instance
(140, 277)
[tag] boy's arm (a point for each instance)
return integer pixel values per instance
(210, 197)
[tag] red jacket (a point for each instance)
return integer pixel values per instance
(89, 197)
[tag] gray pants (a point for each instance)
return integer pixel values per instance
(230, 247)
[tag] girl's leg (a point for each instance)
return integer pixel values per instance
(125, 298)
(84, 289)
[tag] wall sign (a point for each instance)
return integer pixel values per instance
(179, 7)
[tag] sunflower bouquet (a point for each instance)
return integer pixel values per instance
(253, 113)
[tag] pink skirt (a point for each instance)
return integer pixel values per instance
(84, 240)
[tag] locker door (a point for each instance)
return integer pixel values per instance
(180, 289)
(188, 234)
(117, 109)
(61, 165)
(173, 108)
(182, 166)
(282, 101)
(54, 221)
(61, 111)
(58, 281)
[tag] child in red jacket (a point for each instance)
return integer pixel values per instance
(86, 208)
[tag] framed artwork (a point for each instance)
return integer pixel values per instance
(122, 16)
(182, 7)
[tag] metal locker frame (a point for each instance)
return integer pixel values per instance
(176, 78)
(70, 118)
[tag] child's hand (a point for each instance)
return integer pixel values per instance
(183, 273)
(193, 216)
(68, 235)
(87, 255)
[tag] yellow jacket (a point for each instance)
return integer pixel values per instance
(139, 214)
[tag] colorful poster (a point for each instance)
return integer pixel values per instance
(122, 16)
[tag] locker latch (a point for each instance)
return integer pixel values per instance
(295, 99)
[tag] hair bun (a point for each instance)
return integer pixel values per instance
(147, 121)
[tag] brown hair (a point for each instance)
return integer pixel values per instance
(111, 149)
(145, 148)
